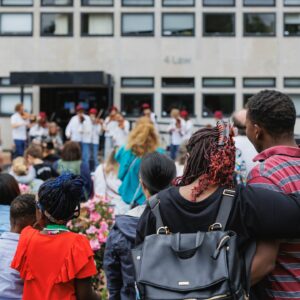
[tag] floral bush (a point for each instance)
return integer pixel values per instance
(95, 220)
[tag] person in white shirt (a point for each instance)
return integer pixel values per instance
(19, 122)
(79, 130)
(96, 132)
(147, 112)
(189, 126)
(177, 131)
(39, 131)
(120, 133)
(109, 126)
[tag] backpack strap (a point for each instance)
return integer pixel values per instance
(224, 210)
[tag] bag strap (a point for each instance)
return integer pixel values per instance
(154, 202)
(224, 210)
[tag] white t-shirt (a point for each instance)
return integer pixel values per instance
(110, 127)
(177, 134)
(120, 135)
(189, 128)
(80, 132)
(37, 131)
(96, 131)
(19, 133)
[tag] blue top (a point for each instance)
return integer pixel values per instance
(11, 285)
(130, 189)
(4, 218)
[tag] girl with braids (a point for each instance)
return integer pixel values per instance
(192, 204)
(56, 264)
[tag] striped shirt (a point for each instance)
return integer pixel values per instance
(279, 170)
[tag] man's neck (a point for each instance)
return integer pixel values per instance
(280, 142)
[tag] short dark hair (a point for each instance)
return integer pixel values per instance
(274, 111)
(71, 151)
(9, 189)
(22, 210)
(35, 151)
(18, 107)
(157, 172)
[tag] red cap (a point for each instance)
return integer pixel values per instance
(146, 106)
(79, 108)
(113, 108)
(93, 111)
(218, 114)
(184, 114)
(42, 115)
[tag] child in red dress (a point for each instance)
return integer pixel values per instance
(55, 263)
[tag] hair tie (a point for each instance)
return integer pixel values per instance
(225, 130)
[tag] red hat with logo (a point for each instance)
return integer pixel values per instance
(184, 114)
(218, 114)
(146, 106)
(79, 108)
(42, 115)
(93, 111)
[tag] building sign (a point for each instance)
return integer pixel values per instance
(177, 60)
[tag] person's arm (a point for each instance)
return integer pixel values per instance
(264, 260)
(84, 290)
(68, 129)
(15, 124)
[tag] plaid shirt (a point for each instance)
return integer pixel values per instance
(279, 170)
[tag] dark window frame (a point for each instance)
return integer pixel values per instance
(220, 5)
(186, 5)
(221, 34)
(137, 13)
(71, 34)
(290, 5)
(96, 35)
(18, 34)
(55, 5)
(218, 94)
(150, 95)
(137, 5)
(259, 86)
(289, 86)
(192, 115)
(137, 86)
(289, 13)
(178, 86)
(178, 13)
(259, 35)
(259, 5)
(14, 94)
(96, 5)
(18, 5)
(218, 86)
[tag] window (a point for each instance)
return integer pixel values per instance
(296, 99)
(17, 24)
(177, 82)
(137, 24)
(246, 98)
(292, 2)
(292, 24)
(16, 2)
(218, 2)
(138, 2)
(259, 2)
(259, 24)
(218, 82)
(4, 81)
(97, 2)
(178, 24)
(178, 2)
(137, 82)
(217, 24)
(292, 82)
(131, 104)
(97, 24)
(215, 102)
(56, 24)
(9, 101)
(259, 82)
(57, 2)
(180, 101)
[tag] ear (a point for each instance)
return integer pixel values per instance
(258, 132)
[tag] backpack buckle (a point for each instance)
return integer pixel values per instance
(165, 229)
(215, 227)
(228, 192)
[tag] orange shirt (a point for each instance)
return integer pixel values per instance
(48, 264)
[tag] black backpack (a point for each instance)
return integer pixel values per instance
(202, 265)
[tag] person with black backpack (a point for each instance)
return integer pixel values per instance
(196, 240)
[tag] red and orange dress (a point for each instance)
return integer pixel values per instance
(49, 264)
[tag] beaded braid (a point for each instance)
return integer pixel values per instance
(60, 198)
(210, 159)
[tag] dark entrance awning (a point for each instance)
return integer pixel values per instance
(100, 79)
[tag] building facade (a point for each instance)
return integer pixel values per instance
(198, 55)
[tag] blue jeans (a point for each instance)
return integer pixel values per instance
(173, 151)
(20, 148)
(95, 150)
(86, 153)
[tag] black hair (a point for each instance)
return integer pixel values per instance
(60, 197)
(157, 172)
(22, 210)
(9, 189)
(274, 111)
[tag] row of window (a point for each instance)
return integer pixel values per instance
(142, 24)
(148, 2)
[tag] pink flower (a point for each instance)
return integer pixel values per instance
(91, 230)
(24, 188)
(104, 227)
(95, 244)
(110, 210)
(102, 238)
(94, 216)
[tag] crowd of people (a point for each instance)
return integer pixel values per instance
(255, 156)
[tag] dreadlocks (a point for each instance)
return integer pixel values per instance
(210, 160)
(60, 198)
